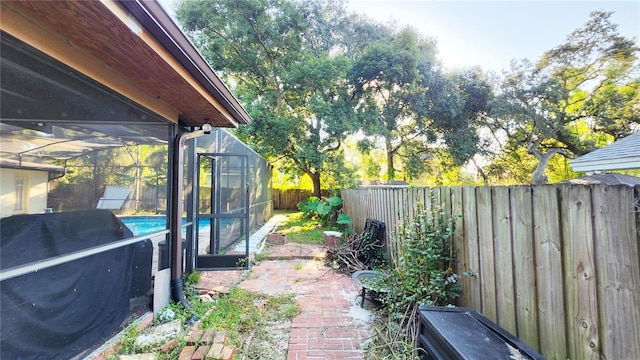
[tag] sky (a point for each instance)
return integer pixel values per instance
(492, 33)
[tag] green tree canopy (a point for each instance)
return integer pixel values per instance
(288, 61)
(588, 80)
(412, 107)
(385, 79)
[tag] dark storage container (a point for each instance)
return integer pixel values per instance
(449, 333)
(142, 264)
(372, 246)
(164, 255)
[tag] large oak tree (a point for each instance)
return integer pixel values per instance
(414, 110)
(288, 62)
(586, 82)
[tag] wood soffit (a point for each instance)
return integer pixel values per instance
(94, 28)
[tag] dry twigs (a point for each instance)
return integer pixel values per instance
(345, 258)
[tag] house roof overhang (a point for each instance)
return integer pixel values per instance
(131, 47)
(620, 155)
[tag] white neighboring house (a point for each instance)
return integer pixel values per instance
(623, 154)
(24, 187)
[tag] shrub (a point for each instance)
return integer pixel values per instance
(423, 273)
(326, 210)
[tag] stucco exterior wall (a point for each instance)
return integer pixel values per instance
(35, 189)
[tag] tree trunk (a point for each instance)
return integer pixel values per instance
(391, 172)
(538, 174)
(315, 178)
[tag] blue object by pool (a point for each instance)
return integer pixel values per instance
(143, 225)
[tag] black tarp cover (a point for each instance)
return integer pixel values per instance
(58, 312)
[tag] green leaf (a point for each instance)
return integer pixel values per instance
(323, 209)
(334, 201)
(343, 219)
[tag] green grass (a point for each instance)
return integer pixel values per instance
(244, 312)
(299, 229)
(241, 314)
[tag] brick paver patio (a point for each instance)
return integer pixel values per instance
(331, 325)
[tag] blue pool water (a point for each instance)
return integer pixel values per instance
(142, 225)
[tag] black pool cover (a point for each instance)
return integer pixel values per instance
(60, 311)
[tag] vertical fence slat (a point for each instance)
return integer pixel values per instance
(399, 196)
(618, 265)
(487, 258)
(395, 214)
(506, 308)
(524, 265)
(445, 201)
(413, 202)
(470, 223)
(579, 272)
(458, 241)
(377, 208)
(382, 210)
(548, 250)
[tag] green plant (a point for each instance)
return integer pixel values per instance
(261, 256)
(242, 312)
(386, 345)
(193, 278)
(327, 210)
(282, 307)
(423, 258)
(128, 340)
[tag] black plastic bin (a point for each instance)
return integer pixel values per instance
(163, 253)
(450, 333)
(142, 263)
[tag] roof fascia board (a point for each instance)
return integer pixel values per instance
(607, 164)
(158, 23)
(126, 12)
(25, 29)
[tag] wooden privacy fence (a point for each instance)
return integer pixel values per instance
(557, 266)
(288, 199)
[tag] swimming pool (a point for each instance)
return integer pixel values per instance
(143, 225)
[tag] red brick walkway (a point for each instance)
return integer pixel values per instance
(290, 251)
(331, 324)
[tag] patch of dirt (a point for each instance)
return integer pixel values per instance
(270, 342)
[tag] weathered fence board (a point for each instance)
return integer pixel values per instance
(487, 260)
(505, 297)
(458, 236)
(524, 265)
(548, 250)
(579, 272)
(470, 220)
(558, 266)
(288, 199)
(618, 272)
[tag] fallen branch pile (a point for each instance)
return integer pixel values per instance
(355, 254)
